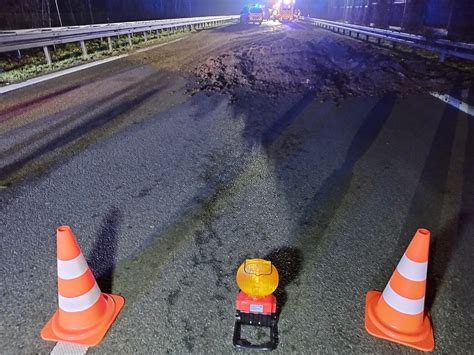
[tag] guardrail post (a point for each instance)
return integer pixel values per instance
(84, 49)
(130, 41)
(109, 41)
(144, 35)
(158, 33)
(48, 56)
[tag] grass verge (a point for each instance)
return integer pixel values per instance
(16, 67)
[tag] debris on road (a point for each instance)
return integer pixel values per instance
(329, 65)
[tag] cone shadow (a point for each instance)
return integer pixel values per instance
(102, 258)
(429, 198)
(321, 208)
(453, 237)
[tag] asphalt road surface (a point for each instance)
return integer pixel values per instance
(168, 193)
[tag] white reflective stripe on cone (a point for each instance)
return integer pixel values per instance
(403, 304)
(80, 303)
(412, 270)
(69, 349)
(71, 269)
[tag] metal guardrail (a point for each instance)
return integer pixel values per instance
(443, 48)
(44, 37)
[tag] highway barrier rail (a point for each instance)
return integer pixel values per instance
(17, 40)
(443, 48)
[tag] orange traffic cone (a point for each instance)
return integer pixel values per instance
(398, 314)
(85, 314)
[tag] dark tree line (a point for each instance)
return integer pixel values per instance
(16, 14)
(416, 16)
(44, 13)
(456, 16)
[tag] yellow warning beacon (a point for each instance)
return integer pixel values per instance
(255, 303)
(257, 277)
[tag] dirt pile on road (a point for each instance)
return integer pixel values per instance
(329, 65)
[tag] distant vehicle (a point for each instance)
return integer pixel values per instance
(298, 15)
(286, 12)
(253, 14)
(256, 14)
(244, 15)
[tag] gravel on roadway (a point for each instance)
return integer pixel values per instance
(298, 59)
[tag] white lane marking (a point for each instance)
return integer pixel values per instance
(79, 303)
(72, 269)
(403, 304)
(452, 101)
(412, 270)
(29, 82)
(69, 349)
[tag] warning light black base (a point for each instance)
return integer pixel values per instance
(259, 320)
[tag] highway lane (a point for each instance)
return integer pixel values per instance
(168, 194)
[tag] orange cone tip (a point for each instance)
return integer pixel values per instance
(85, 314)
(398, 314)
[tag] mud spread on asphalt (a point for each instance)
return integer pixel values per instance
(330, 65)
